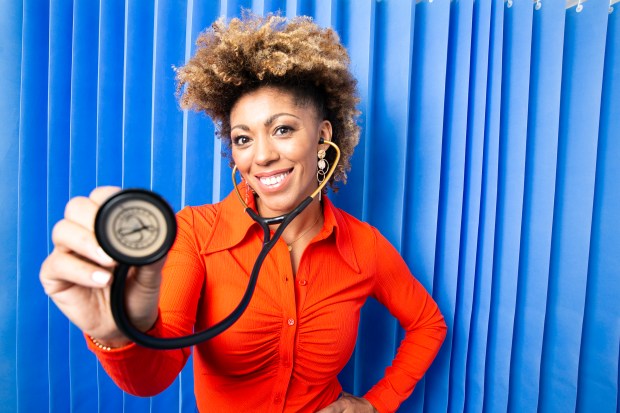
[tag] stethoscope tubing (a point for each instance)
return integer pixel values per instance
(117, 294)
(120, 277)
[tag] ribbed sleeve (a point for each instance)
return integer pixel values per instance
(145, 372)
(418, 315)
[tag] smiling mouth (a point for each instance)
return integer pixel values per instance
(273, 181)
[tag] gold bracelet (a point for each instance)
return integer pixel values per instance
(99, 345)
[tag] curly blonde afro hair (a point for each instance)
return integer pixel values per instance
(293, 54)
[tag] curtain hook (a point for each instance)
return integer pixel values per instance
(509, 3)
(579, 6)
(537, 4)
(611, 8)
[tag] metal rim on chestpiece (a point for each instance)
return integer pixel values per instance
(105, 234)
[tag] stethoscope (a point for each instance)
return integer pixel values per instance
(137, 227)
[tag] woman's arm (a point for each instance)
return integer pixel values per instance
(146, 372)
(418, 314)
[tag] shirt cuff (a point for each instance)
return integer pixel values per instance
(383, 399)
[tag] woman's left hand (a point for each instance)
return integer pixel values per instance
(349, 404)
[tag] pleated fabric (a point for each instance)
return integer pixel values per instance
(488, 157)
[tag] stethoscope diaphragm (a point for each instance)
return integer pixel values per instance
(135, 227)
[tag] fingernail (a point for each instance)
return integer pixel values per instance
(105, 258)
(101, 277)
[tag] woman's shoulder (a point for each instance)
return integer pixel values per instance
(343, 216)
(196, 224)
(360, 233)
(200, 221)
(215, 226)
(199, 215)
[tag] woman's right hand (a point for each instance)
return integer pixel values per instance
(77, 275)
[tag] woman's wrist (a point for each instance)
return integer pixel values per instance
(108, 345)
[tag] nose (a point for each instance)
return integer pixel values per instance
(265, 151)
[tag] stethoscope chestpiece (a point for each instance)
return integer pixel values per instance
(135, 227)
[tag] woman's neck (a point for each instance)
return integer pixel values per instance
(304, 224)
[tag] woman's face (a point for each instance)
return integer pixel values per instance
(274, 145)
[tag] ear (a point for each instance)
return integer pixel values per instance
(325, 133)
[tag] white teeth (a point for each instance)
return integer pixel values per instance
(273, 180)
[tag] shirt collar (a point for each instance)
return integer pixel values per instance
(335, 224)
(232, 224)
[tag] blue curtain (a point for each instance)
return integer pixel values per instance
(489, 158)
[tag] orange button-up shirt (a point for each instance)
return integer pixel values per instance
(286, 350)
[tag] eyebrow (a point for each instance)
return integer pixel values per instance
(272, 118)
(267, 122)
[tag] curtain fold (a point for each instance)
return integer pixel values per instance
(487, 156)
(58, 148)
(31, 195)
(461, 379)
(537, 219)
(452, 180)
(597, 361)
(580, 106)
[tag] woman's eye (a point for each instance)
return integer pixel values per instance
(283, 130)
(240, 140)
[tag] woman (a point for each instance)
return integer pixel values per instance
(277, 90)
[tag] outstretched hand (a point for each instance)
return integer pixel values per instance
(349, 404)
(78, 274)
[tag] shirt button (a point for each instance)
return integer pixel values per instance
(291, 322)
(277, 399)
(302, 282)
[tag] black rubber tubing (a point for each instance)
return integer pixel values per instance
(117, 295)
